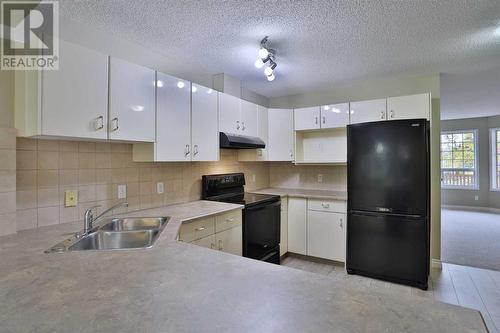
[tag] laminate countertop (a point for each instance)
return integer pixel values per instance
(179, 287)
(303, 193)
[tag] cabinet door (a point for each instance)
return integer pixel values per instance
(131, 102)
(229, 114)
(368, 111)
(307, 118)
(230, 241)
(280, 144)
(335, 115)
(173, 119)
(409, 107)
(208, 242)
(284, 227)
(204, 124)
(325, 235)
(249, 119)
(297, 231)
(75, 97)
(263, 126)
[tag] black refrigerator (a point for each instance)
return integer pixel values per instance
(388, 207)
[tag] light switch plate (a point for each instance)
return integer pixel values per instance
(122, 191)
(70, 198)
(160, 188)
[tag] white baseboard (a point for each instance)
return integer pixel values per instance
(472, 208)
(436, 263)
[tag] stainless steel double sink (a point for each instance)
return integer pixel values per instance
(116, 234)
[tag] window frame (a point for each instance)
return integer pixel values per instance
(476, 160)
(494, 163)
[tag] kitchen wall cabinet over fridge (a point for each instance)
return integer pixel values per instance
(69, 102)
(368, 111)
(409, 107)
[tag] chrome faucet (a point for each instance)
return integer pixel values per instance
(88, 219)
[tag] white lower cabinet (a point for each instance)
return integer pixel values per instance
(297, 225)
(325, 235)
(316, 228)
(224, 232)
(284, 227)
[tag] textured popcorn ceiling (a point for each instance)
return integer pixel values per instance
(320, 43)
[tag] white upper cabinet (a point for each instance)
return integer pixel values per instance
(204, 124)
(335, 115)
(131, 102)
(368, 111)
(173, 119)
(307, 118)
(280, 140)
(409, 107)
(249, 118)
(229, 114)
(263, 133)
(75, 97)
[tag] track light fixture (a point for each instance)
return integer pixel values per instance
(266, 54)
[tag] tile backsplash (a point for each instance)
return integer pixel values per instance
(287, 175)
(7, 181)
(47, 168)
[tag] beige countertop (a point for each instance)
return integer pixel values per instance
(179, 287)
(303, 193)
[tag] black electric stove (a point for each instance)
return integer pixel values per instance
(261, 215)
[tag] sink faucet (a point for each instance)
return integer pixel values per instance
(89, 219)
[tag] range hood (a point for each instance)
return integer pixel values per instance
(233, 141)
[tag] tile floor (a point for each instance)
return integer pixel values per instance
(460, 285)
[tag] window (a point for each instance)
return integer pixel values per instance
(495, 159)
(459, 159)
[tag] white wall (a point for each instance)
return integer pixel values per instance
(470, 94)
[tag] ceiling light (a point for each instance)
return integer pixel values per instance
(159, 83)
(263, 53)
(194, 89)
(180, 84)
(270, 69)
(259, 63)
(270, 77)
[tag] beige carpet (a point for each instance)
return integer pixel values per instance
(470, 238)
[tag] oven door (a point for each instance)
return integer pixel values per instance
(261, 229)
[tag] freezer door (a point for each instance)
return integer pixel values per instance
(388, 247)
(388, 167)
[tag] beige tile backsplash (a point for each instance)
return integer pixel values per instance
(7, 181)
(287, 175)
(46, 168)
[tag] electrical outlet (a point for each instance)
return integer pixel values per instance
(476, 197)
(320, 178)
(70, 198)
(160, 188)
(122, 191)
(254, 178)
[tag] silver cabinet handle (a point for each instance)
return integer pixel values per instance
(291, 153)
(114, 124)
(324, 119)
(195, 150)
(382, 115)
(99, 123)
(199, 229)
(341, 224)
(237, 124)
(325, 205)
(316, 120)
(231, 219)
(221, 247)
(187, 151)
(243, 126)
(392, 114)
(212, 246)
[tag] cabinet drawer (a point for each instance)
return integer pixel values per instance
(336, 206)
(197, 229)
(227, 220)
